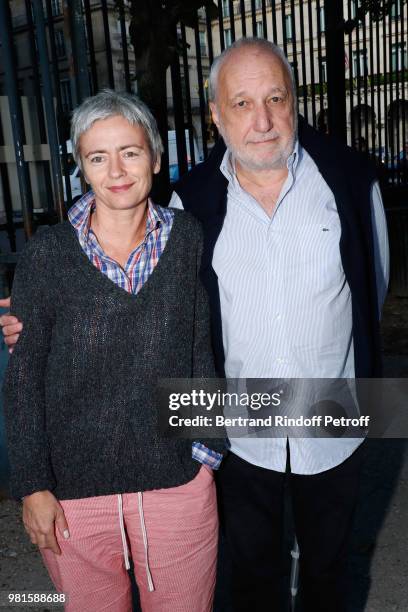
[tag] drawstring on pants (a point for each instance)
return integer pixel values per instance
(122, 533)
(144, 533)
(143, 526)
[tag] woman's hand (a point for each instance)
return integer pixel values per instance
(42, 514)
(11, 326)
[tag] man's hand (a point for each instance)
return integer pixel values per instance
(11, 326)
(42, 514)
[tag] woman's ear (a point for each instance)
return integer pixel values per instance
(157, 166)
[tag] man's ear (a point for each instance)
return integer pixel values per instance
(214, 114)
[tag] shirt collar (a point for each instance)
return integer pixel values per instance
(79, 216)
(228, 169)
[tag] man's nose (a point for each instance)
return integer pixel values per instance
(263, 118)
(116, 166)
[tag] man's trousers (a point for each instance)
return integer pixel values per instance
(251, 505)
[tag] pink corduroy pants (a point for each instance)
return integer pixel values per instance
(171, 535)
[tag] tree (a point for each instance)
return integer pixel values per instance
(378, 10)
(153, 33)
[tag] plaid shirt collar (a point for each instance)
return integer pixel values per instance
(79, 216)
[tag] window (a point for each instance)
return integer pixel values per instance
(203, 43)
(258, 4)
(56, 7)
(225, 8)
(60, 43)
(323, 69)
(288, 27)
(399, 56)
(227, 37)
(360, 63)
(66, 96)
(259, 29)
(322, 21)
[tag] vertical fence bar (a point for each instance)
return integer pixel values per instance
(8, 205)
(274, 24)
(351, 75)
(253, 17)
(16, 116)
(336, 86)
(311, 55)
(209, 37)
(123, 35)
(57, 93)
(284, 32)
(232, 19)
(398, 61)
(38, 97)
(91, 45)
(365, 81)
(178, 112)
(49, 107)
(403, 85)
(294, 43)
(386, 137)
(358, 80)
(303, 60)
(379, 109)
(243, 17)
(188, 95)
(221, 25)
(79, 50)
(201, 88)
(392, 105)
(264, 21)
(372, 93)
(108, 46)
(319, 61)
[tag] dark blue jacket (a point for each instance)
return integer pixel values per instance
(203, 192)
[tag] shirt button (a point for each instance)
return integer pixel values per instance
(278, 317)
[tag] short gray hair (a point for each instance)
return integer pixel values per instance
(248, 43)
(108, 103)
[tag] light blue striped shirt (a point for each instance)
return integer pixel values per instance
(285, 301)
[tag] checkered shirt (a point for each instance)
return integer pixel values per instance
(140, 264)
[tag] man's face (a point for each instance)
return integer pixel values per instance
(253, 110)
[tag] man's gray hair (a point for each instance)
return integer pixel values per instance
(247, 43)
(108, 103)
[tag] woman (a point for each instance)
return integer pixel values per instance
(111, 302)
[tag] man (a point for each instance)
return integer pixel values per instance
(296, 263)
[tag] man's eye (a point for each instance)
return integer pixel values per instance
(276, 99)
(97, 159)
(241, 103)
(130, 154)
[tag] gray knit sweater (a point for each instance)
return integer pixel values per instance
(80, 388)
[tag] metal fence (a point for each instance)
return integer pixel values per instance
(349, 59)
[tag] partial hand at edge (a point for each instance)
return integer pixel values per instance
(11, 326)
(42, 514)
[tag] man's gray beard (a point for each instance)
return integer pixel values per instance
(277, 163)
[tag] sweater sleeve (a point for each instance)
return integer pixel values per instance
(24, 385)
(203, 358)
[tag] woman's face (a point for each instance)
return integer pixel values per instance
(117, 163)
